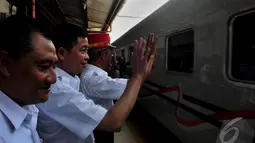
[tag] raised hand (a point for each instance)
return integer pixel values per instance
(139, 58)
(151, 47)
(143, 56)
(152, 43)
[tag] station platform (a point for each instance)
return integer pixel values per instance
(143, 128)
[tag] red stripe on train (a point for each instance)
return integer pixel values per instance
(217, 115)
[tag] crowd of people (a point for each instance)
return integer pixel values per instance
(118, 67)
(54, 86)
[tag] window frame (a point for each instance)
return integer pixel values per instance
(166, 50)
(229, 55)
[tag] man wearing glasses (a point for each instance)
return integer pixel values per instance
(95, 81)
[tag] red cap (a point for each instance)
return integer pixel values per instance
(99, 40)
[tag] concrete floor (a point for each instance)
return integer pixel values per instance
(143, 128)
(127, 135)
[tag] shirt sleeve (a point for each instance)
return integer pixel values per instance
(103, 87)
(72, 110)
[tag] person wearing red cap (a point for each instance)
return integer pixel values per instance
(95, 82)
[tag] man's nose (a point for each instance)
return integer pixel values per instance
(51, 78)
(86, 56)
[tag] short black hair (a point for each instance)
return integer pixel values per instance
(16, 35)
(66, 35)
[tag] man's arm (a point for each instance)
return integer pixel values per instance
(72, 110)
(116, 116)
(103, 87)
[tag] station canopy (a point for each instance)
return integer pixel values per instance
(94, 15)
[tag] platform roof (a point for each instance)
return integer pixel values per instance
(95, 15)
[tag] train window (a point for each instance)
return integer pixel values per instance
(180, 51)
(243, 47)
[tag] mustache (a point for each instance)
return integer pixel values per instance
(45, 87)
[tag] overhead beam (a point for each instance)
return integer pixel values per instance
(77, 22)
(115, 8)
(61, 10)
(46, 11)
(84, 8)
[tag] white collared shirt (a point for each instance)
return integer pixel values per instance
(17, 124)
(67, 116)
(98, 86)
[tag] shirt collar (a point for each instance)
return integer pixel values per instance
(63, 76)
(96, 69)
(15, 113)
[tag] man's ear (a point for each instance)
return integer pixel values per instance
(61, 53)
(5, 62)
(103, 53)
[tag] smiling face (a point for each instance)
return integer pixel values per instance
(76, 58)
(27, 80)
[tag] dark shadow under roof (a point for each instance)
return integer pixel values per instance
(94, 15)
